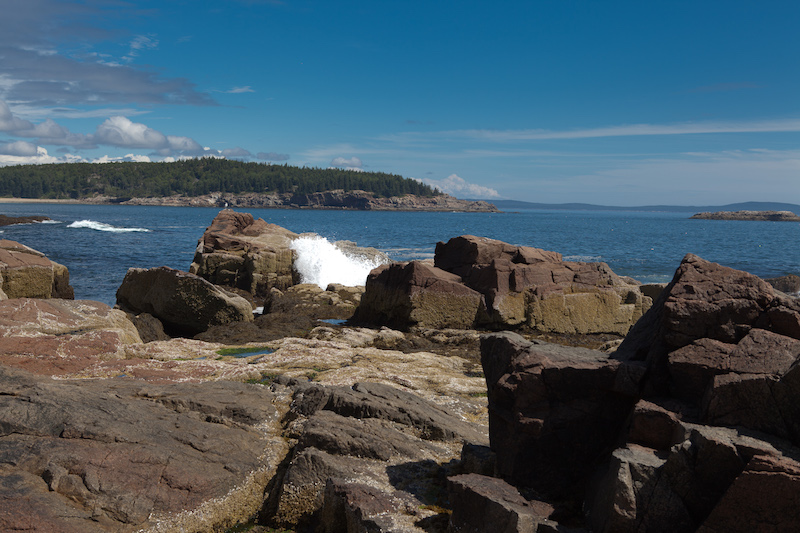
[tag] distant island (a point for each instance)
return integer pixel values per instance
(774, 216)
(226, 183)
(508, 205)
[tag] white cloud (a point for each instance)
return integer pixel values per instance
(128, 157)
(455, 185)
(239, 90)
(41, 157)
(120, 131)
(19, 148)
(630, 130)
(350, 164)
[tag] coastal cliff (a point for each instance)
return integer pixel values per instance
(773, 216)
(336, 199)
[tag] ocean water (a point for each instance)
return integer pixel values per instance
(99, 243)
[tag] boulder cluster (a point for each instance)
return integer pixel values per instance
(691, 425)
(476, 282)
(435, 415)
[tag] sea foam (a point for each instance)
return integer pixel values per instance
(100, 226)
(320, 262)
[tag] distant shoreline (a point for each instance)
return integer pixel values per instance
(40, 201)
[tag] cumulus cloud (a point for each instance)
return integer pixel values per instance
(19, 148)
(121, 131)
(272, 156)
(455, 185)
(124, 133)
(352, 163)
(40, 157)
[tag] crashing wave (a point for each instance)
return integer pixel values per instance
(100, 226)
(320, 262)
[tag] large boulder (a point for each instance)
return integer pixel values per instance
(250, 254)
(125, 455)
(26, 273)
(515, 286)
(416, 294)
(185, 303)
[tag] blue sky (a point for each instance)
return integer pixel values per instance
(616, 103)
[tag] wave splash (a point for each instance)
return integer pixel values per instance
(100, 226)
(320, 262)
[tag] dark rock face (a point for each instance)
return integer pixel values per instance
(185, 303)
(403, 294)
(367, 458)
(480, 282)
(789, 284)
(553, 411)
(123, 455)
(6, 220)
(691, 426)
(484, 503)
(26, 273)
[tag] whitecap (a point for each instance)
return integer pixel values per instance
(321, 263)
(51, 222)
(100, 226)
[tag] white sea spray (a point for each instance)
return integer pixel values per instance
(101, 226)
(320, 262)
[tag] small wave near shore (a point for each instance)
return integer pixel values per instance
(320, 262)
(100, 226)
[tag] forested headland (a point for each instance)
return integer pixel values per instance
(193, 177)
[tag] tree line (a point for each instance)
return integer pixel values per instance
(193, 177)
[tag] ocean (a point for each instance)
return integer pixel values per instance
(99, 243)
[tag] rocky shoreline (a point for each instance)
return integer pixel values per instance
(426, 401)
(771, 216)
(336, 199)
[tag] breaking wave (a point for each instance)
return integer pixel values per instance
(100, 226)
(320, 262)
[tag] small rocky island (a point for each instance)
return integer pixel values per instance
(440, 406)
(770, 216)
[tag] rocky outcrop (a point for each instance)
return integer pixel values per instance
(26, 273)
(100, 455)
(789, 284)
(6, 220)
(368, 458)
(61, 336)
(185, 303)
(239, 251)
(690, 426)
(773, 216)
(335, 199)
(480, 282)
